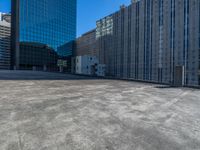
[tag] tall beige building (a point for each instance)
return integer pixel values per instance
(86, 44)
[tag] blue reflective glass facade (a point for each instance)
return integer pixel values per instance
(51, 22)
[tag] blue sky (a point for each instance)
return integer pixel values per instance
(88, 11)
(4, 5)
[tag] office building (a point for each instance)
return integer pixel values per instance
(86, 44)
(5, 29)
(5, 17)
(35, 56)
(48, 22)
(152, 40)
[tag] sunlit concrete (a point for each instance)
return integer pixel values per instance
(49, 111)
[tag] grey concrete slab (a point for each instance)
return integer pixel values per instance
(57, 112)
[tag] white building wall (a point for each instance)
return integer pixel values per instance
(89, 65)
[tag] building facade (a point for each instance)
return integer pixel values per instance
(152, 40)
(5, 33)
(86, 44)
(5, 17)
(87, 65)
(48, 22)
(35, 56)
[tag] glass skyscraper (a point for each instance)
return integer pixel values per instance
(49, 22)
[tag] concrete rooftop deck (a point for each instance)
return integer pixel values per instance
(49, 111)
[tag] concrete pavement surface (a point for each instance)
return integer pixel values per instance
(52, 111)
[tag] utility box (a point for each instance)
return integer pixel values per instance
(100, 70)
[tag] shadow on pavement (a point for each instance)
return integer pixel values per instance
(166, 86)
(39, 75)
